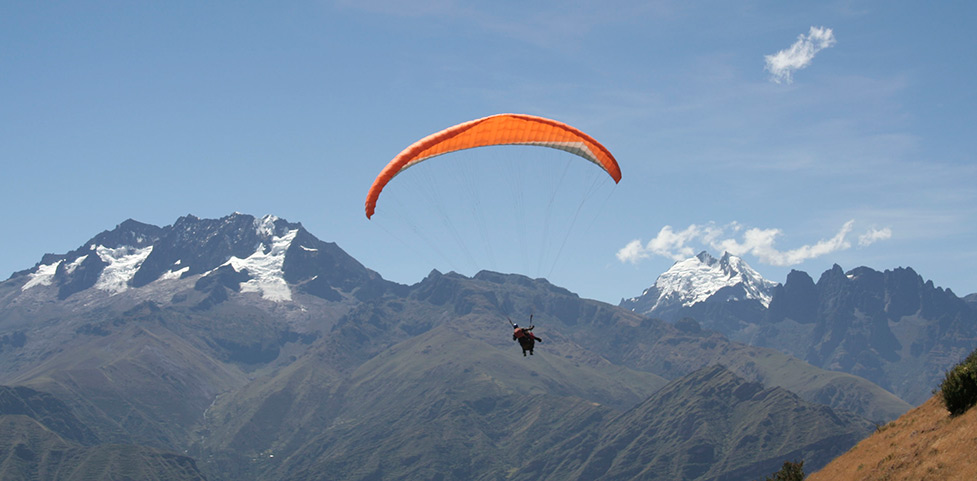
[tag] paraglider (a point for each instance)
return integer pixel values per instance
(497, 130)
(527, 340)
(501, 129)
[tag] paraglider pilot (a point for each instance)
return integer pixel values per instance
(527, 340)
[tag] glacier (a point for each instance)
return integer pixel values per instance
(123, 262)
(266, 268)
(44, 276)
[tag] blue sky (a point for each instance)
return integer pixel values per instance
(797, 135)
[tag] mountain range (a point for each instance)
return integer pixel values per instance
(892, 328)
(257, 351)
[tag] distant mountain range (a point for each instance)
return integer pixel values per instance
(256, 351)
(892, 327)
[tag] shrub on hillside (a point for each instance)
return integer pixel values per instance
(789, 472)
(959, 386)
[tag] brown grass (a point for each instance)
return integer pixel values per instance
(924, 444)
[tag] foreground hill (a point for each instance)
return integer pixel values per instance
(925, 444)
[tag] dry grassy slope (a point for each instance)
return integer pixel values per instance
(924, 444)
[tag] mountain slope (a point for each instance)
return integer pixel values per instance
(29, 451)
(675, 350)
(708, 425)
(447, 412)
(140, 384)
(925, 444)
(46, 410)
(40, 438)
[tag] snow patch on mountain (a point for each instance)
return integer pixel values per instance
(123, 262)
(266, 225)
(174, 274)
(265, 267)
(43, 276)
(71, 266)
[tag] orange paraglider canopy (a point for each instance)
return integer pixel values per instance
(501, 129)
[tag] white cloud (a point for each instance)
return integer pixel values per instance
(782, 64)
(667, 243)
(873, 236)
(740, 241)
(633, 252)
(759, 242)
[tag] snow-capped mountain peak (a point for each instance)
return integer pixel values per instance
(699, 279)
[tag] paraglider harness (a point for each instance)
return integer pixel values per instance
(527, 340)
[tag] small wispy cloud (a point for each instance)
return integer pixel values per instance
(873, 236)
(782, 64)
(740, 241)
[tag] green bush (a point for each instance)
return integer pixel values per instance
(789, 472)
(959, 386)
